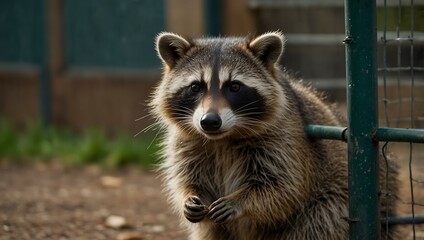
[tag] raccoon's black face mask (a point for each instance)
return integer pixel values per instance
(219, 87)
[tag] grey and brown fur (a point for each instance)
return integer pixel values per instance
(237, 161)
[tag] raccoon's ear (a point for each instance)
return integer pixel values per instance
(171, 48)
(268, 48)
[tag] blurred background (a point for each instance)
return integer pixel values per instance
(85, 64)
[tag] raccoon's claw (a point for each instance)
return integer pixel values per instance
(195, 210)
(222, 211)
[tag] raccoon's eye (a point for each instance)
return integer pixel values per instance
(235, 87)
(195, 87)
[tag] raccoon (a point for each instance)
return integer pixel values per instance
(237, 163)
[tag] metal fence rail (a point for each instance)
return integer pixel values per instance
(363, 133)
(380, 135)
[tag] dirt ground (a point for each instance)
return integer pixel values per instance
(49, 201)
(53, 202)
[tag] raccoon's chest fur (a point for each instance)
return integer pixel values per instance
(223, 167)
(218, 167)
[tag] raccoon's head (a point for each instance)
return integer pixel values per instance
(220, 87)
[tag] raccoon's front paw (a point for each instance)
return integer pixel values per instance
(223, 210)
(195, 210)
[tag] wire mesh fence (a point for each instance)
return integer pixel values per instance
(399, 81)
(401, 105)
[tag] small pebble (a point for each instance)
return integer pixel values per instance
(111, 182)
(116, 222)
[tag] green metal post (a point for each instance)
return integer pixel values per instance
(360, 20)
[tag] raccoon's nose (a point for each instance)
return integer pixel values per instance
(211, 122)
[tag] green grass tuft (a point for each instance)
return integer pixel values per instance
(8, 139)
(39, 143)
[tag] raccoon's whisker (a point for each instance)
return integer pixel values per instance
(245, 115)
(250, 114)
(238, 109)
(182, 117)
(184, 121)
(181, 112)
(245, 110)
(249, 111)
(250, 124)
(157, 134)
(143, 117)
(148, 128)
(186, 125)
(180, 107)
(136, 135)
(249, 118)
